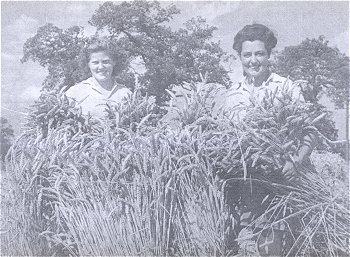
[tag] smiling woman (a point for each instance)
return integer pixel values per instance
(101, 58)
(254, 44)
(255, 60)
(101, 67)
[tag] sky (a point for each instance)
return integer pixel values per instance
(291, 21)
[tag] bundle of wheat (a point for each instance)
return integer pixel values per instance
(129, 184)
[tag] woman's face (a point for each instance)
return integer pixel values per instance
(101, 66)
(254, 58)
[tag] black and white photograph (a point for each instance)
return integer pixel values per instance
(175, 128)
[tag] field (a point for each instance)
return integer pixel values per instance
(137, 183)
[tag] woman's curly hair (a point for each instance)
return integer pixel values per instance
(103, 44)
(255, 32)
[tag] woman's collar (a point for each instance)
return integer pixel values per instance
(250, 81)
(98, 86)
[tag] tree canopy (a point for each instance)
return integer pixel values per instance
(57, 50)
(140, 28)
(325, 68)
(172, 56)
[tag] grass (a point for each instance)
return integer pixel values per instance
(133, 184)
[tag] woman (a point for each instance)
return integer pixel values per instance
(254, 44)
(92, 94)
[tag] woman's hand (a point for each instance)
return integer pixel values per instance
(289, 170)
(293, 164)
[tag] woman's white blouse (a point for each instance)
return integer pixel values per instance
(93, 98)
(244, 93)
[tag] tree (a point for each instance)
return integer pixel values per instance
(170, 57)
(324, 67)
(58, 51)
(139, 28)
(6, 136)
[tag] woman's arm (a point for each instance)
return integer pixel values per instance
(291, 168)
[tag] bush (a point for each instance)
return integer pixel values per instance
(6, 136)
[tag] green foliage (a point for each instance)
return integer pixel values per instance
(129, 184)
(6, 136)
(324, 68)
(139, 29)
(57, 50)
(170, 57)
